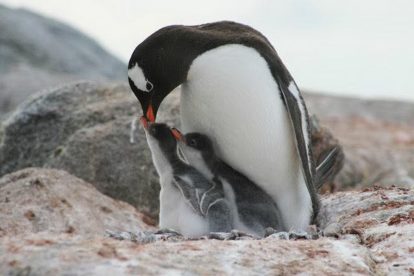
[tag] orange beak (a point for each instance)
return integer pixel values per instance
(176, 133)
(144, 122)
(150, 114)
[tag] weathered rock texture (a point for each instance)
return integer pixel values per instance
(60, 254)
(380, 219)
(41, 200)
(374, 229)
(377, 138)
(85, 129)
(38, 52)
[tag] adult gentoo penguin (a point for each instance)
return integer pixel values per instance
(235, 88)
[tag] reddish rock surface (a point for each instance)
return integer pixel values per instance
(45, 200)
(377, 138)
(374, 232)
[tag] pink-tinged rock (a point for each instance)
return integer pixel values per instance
(377, 137)
(382, 219)
(45, 200)
(374, 227)
(64, 254)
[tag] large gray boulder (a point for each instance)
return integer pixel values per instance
(85, 129)
(377, 137)
(37, 52)
(336, 107)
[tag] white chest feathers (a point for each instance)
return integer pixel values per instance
(175, 213)
(231, 95)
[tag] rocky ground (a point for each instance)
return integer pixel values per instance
(53, 201)
(53, 224)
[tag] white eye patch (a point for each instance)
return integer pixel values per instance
(138, 78)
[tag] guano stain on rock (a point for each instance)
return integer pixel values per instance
(30, 215)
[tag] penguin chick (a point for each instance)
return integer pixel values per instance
(189, 202)
(252, 208)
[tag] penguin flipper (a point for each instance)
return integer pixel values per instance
(211, 196)
(189, 192)
(300, 121)
(326, 168)
(217, 208)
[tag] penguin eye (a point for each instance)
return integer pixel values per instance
(153, 131)
(192, 142)
(149, 86)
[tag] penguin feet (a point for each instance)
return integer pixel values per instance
(270, 231)
(311, 234)
(166, 234)
(233, 235)
(167, 231)
(144, 237)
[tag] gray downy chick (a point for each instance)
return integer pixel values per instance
(252, 208)
(189, 202)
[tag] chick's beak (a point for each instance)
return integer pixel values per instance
(177, 134)
(144, 122)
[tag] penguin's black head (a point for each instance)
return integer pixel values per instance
(162, 134)
(196, 148)
(194, 140)
(157, 66)
(199, 142)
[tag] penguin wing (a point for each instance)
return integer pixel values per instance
(186, 187)
(195, 188)
(300, 121)
(331, 163)
(212, 195)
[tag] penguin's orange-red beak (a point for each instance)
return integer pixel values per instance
(176, 133)
(150, 114)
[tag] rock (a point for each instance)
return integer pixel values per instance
(376, 238)
(85, 129)
(37, 52)
(57, 255)
(374, 157)
(377, 138)
(383, 221)
(54, 202)
(332, 230)
(391, 111)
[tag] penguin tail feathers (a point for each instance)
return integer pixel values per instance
(330, 165)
